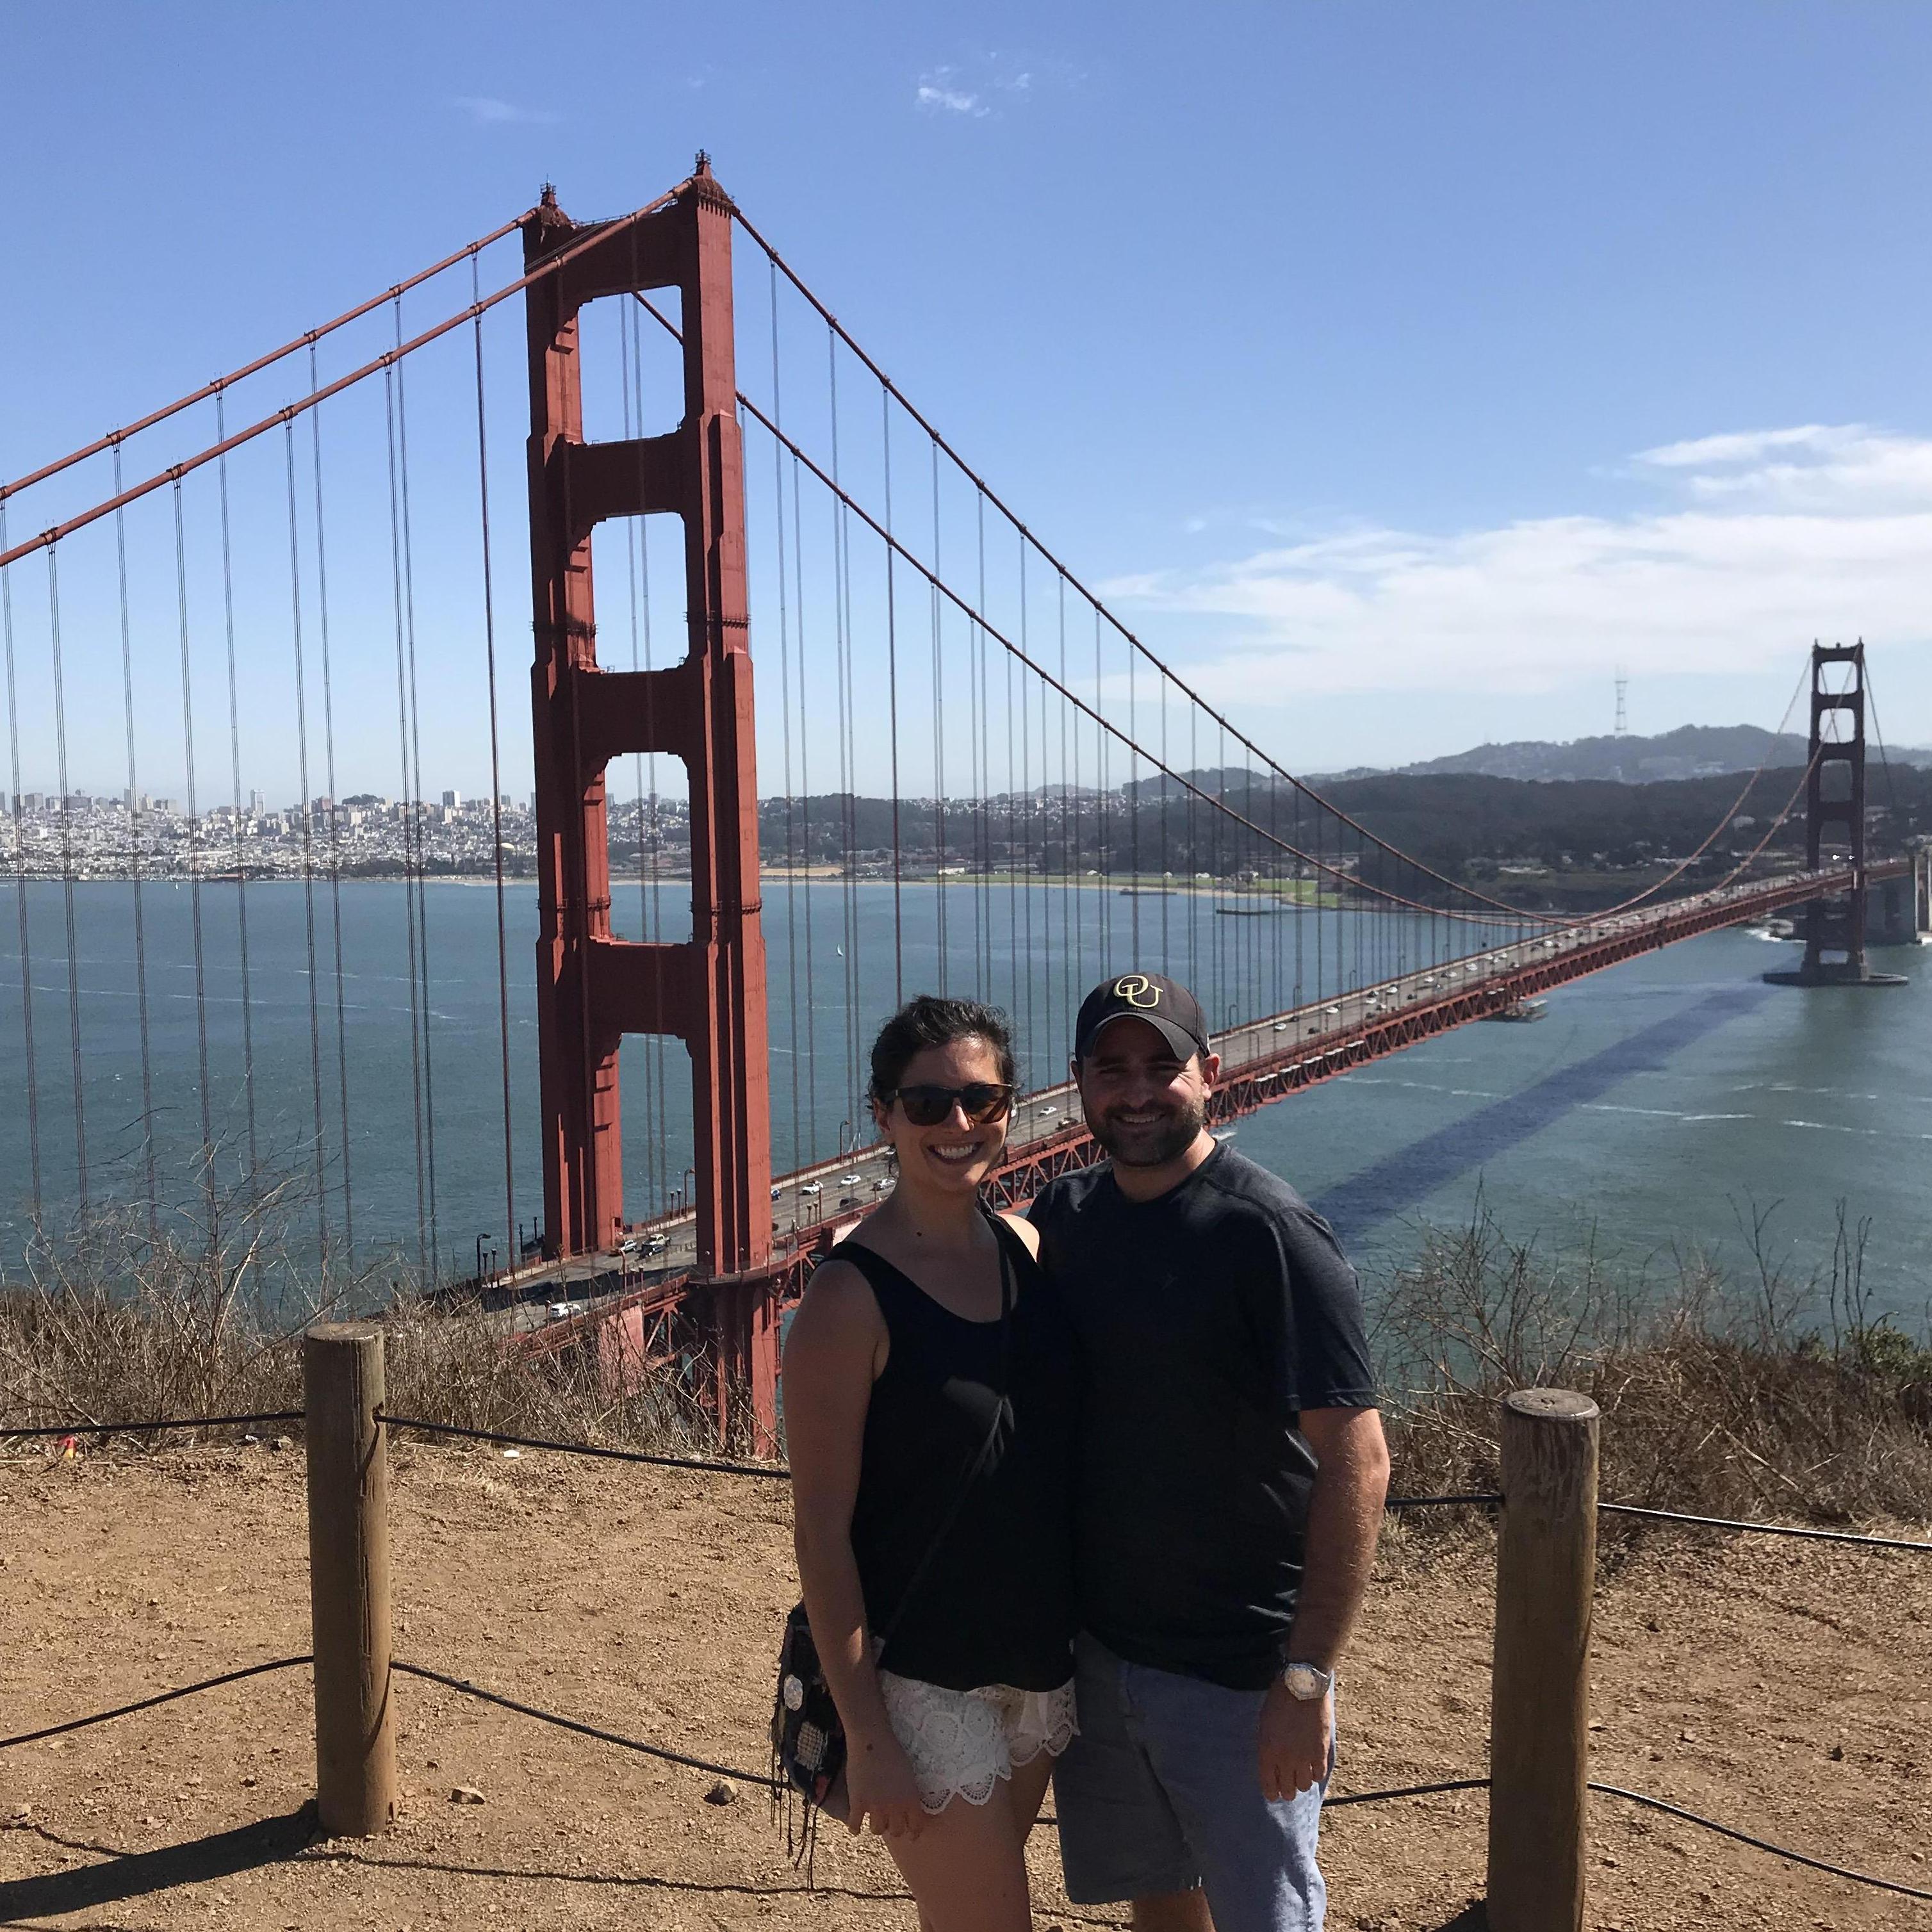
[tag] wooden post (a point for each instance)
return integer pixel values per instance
(1539, 1726)
(348, 1578)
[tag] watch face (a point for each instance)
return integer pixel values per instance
(1305, 1683)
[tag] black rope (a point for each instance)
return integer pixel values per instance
(154, 1423)
(1766, 1528)
(776, 1471)
(1405, 1791)
(1760, 1844)
(148, 1703)
(562, 1723)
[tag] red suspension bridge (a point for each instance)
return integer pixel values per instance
(273, 983)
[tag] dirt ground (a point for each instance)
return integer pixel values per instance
(1783, 1687)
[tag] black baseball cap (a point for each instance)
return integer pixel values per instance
(1166, 1006)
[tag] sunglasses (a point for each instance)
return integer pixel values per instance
(983, 1101)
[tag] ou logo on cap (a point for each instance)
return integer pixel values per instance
(1137, 990)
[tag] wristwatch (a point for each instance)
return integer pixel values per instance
(1306, 1682)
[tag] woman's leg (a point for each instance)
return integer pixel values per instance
(1028, 1790)
(968, 1868)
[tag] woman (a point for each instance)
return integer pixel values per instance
(931, 1437)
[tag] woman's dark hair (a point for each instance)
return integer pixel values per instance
(927, 1020)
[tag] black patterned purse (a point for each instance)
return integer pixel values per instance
(808, 1734)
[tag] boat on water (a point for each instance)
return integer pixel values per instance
(1777, 929)
(1521, 1011)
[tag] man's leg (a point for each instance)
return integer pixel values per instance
(1119, 1837)
(1173, 1912)
(1258, 1858)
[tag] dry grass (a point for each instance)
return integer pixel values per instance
(1716, 1397)
(119, 1323)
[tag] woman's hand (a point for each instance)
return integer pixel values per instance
(880, 1786)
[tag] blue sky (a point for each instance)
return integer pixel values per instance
(1400, 368)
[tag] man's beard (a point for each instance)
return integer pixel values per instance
(1155, 1144)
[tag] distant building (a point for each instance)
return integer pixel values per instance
(453, 801)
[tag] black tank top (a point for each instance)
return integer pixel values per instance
(995, 1604)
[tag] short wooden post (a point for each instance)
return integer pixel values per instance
(1539, 1726)
(348, 1578)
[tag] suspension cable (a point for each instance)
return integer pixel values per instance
(213, 391)
(496, 801)
(134, 855)
(389, 359)
(307, 817)
(235, 775)
(334, 817)
(20, 878)
(67, 880)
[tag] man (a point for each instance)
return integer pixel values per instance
(1231, 1478)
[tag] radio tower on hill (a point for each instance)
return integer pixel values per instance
(1623, 686)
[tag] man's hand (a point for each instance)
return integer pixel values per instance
(1294, 1742)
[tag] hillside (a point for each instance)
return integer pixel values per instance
(1691, 751)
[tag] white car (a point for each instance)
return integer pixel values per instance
(811, 1187)
(1282, 1026)
(850, 1180)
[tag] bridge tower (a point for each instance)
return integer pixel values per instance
(1835, 828)
(591, 987)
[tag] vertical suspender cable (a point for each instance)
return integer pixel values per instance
(193, 804)
(133, 815)
(798, 1155)
(892, 714)
(234, 778)
(1134, 807)
(415, 752)
(1166, 862)
(985, 757)
(495, 806)
(67, 876)
(409, 818)
(842, 566)
(806, 1150)
(20, 876)
(308, 847)
(1107, 962)
(1031, 807)
(1073, 946)
(938, 737)
(334, 808)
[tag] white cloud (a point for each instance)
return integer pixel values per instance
(488, 112)
(935, 95)
(1759, 542)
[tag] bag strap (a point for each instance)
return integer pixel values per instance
(1008, 1294)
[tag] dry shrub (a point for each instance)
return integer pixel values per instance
(1718, 1398)
(122, 1321)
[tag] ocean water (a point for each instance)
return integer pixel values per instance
(1659, 1109)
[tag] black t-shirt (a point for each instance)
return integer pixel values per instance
(1209, 1318)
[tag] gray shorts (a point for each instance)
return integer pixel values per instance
(1161, 1792)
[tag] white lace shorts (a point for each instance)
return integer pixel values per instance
(961, 1742)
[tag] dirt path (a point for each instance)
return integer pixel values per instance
(1785, 1688)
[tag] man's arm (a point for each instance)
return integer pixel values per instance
(1345, 1515)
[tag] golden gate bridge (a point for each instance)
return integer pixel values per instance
(1068, 781)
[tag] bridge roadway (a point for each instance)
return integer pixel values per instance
(1262, 1061)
